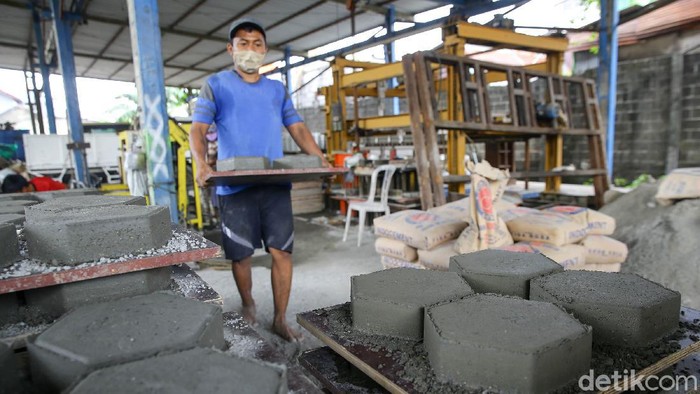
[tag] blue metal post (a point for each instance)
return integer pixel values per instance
(148, 67)
(288, 69)
(390, 51)
(64, 45)
(607, 73)
(45, 73)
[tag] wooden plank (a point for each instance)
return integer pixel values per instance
(428, 112)
(426, 193)
(373, 362)
(77, 274)
(273, 176)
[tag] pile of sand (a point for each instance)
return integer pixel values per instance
(664, 242)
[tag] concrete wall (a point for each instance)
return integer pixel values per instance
(689, 155)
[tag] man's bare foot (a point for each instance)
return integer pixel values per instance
(248, 312)
(280, 327)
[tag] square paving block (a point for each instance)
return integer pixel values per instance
(9, 245)
(297, 161)
(77, 236)
(243, 163)
(60, 205)
(15, 218)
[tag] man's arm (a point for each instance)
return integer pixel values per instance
(302, 136)
(198, 147)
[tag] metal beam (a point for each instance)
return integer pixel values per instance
(64, 46)
(377, 9)
(148, 68)
(607, 73)
(45, 73)
(217, 28)
(288, 70)
(294, 15)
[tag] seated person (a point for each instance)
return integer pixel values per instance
(19, 184)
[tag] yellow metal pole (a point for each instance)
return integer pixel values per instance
(456, 141)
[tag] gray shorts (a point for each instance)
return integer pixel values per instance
(256, 215)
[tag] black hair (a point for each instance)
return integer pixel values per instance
(14, 184)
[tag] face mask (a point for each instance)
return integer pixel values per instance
(248, 61)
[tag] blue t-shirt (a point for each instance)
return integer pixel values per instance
(248, 116)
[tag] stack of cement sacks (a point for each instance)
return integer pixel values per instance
(575, 237)
(404, 235)
(419, 239)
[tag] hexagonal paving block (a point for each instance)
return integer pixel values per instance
(15, 218)
(9, 377)
(205, 371)
(502, 272)
(513, 344)
(56, 300)
(391, 302)
(59, 205)
(101, 335)
(46, 196)
(9, 245)
(77, 236)
(623, 309)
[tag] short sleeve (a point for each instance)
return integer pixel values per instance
(289, 114)
(205, 106)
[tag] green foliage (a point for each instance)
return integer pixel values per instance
(623, 182)
(127, 106)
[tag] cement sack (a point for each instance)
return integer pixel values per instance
(548, 227)
(598, 267)
(502, 205)
(598, 223)
(604, 250)
(566, 256)
(680, 184)
(438, 258)
(391, 262)
(419, 229)
(454, 210)
(486, 230)
(514, 213)
(396, 249)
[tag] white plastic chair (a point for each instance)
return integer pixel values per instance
(370, 205)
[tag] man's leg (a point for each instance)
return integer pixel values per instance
(244, 282)
(281, 287)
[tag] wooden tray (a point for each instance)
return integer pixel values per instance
(273, 176)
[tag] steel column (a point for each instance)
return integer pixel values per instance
(390, 51)
(64, 46)
(607, 52)
(148, 69)
(288, 69)
(45, 73)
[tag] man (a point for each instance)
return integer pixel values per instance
(249, 111)
(18, 184)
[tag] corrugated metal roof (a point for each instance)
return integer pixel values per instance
(193, 40)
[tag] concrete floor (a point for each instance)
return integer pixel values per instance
(323, 265)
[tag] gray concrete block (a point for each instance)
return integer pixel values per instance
(18, 202)
(102, 335)
(205, 371)
(502, 272)
(623, 309)
(12, 210)
(77, 236)
(5, 197)
(46, 196)
(10, 380)
(54, 301)
(507, 343)
(9, 309)
(392, 302)
(59, 205)
(9, 245)
(14, 218)
(243, 163)
(297, 161)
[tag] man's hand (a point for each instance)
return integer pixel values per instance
(325, 163)
(203, 172)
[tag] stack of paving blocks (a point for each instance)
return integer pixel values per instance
(529, 327)
(141, 340)
(12, 206)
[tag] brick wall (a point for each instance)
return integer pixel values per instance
(690, 121)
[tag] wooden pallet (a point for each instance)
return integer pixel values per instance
(374, 362)
(273, 176)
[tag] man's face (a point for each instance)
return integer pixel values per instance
(245, 41)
